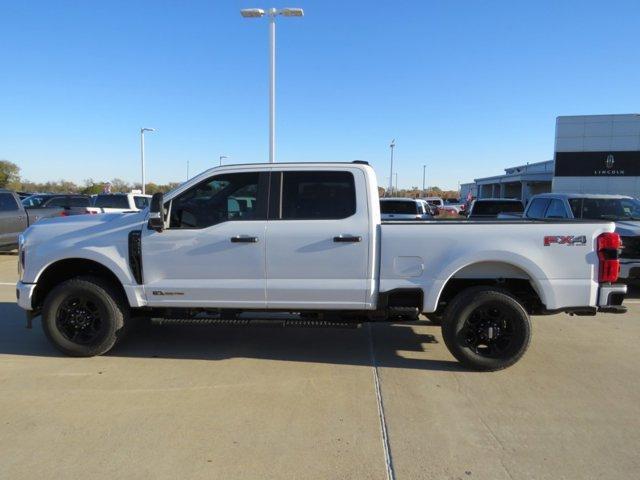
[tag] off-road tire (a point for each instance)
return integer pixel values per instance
(106, 300)
(455, 325)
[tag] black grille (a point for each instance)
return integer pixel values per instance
(630, 247)
(135, 255)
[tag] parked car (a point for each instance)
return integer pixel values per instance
(623, 210)
(491, 208)
(441, 206)
(49, 200)
(14, 218)
(312, 241)
(404, 209)
(119, 202)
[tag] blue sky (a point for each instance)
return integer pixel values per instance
(466, 87)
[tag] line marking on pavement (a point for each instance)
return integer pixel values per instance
(13, 284)
(631, 301)
(383, 422)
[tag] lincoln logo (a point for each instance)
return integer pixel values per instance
(608, 170)
(609, 162)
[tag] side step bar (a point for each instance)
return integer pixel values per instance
(275, 322)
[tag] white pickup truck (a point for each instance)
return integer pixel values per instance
(307, 239)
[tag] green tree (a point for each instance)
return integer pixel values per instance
(9, 174)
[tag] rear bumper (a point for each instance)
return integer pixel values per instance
(24, 295)
(610, 298)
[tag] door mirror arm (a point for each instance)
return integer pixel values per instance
(156, 213)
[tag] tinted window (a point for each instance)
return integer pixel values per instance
(67, 201)
(556, 210)
(111, 201)
(537, 208)
(141, 202)
(7, 203)
(496, 207)
(219, 199)
(399, 207)
(318, 195)
(576, 207)
(605, 208)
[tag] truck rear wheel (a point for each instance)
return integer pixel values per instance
(486, 329)
(84, 316)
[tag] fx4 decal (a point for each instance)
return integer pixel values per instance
(569, 240)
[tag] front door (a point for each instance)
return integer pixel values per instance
(212, 253)
(318, 240)
(13, 220)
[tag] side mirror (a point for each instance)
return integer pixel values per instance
(156, 213)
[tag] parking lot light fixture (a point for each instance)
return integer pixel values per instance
(222, 157)
(391, 146)
(272, 13)
(142, 131)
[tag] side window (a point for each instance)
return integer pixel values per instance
(7, 203)
(576, 207)
(537, 208)
(556, 210)
(317, 195)
(57, 202)
(79, 201)
(216, 200)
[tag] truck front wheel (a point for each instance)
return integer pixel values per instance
(84, 316)
(486, 328)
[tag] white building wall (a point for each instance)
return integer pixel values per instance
(599, 133)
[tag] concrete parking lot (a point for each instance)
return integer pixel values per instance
(267, 402)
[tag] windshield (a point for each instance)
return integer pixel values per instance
(497, 207)
(605, 208)
(399, 206)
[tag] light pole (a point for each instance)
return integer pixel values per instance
(396, 174)
(187, 169)
(222, 157)
(142, 130)
(424, 173)
(391, 146)
(272, 13)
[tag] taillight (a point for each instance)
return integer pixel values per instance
(608, 249)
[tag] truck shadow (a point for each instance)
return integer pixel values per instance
(406, 346)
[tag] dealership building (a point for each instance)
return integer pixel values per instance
(593, 154)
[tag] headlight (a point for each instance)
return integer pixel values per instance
(21, 255)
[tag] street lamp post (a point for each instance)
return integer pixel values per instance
(272, 13)
(424, 173)
(391, 146)
(396, 174)
(142, 130)
(222, 157)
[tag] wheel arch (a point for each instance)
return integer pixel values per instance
(512, 274)
(65, 269)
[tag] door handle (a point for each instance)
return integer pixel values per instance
(347, 239)
(244, 239)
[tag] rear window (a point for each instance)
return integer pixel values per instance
(111, 201)
(497, 207)
(398, 207)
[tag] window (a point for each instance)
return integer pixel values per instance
(537, 207)
(576, 207)
(496, 207)
(8, 203)
(318, 195)
(141, 202)
(111, 201)
(67, 202)
(216, 200)
(556, 210)
(34, 201)
(399, 207)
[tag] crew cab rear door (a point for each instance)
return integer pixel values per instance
(212, 253)
(318, 239)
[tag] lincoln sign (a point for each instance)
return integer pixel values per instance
(597, 164)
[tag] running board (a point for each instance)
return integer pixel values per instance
(276, 322)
